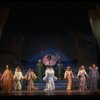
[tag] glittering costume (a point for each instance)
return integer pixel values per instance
(82, 77)
(17, 80)
(94, 76)
(49, 78)
(30, 76)
(40, 71)
(68, 75)
(7, 80)
(60, 71)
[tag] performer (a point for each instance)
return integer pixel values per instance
(82, 77)
(68, 75)
(0, 81)
(30, 76)
(18, 76)
(94, 76)
(60, 70)
(40, 70)
(7, 80)
(49, 79)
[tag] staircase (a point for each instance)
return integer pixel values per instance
(59, 85)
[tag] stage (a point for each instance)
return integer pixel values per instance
(42, 93)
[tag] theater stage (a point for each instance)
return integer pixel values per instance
(42, 93)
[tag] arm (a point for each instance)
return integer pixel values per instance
(34, 75)
(15, 75)
(45, 78)
(65, 75)
(85, 73)
(98, 75)
(26, 76)
(3, 75)
(72, 75)
(21, 76)
(78, 74)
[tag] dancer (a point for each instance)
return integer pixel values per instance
(50, 79)
(68, 75)
(94, 76)
(60, 70)
(31, 77)
(7, 80)
(82, 77)
(40, 70)
(18, 76)
(0, 81)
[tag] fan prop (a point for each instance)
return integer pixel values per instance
(50, 60)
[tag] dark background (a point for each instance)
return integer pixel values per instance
(35, 26)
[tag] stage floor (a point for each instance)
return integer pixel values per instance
(56, 92)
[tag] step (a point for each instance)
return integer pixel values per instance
(56, 84)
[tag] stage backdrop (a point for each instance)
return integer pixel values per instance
(31, 32)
